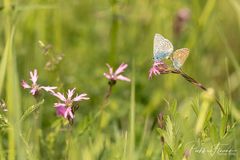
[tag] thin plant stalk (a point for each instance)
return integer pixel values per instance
(37, 121)
(107, 95)
(105, 102)
(14, 104)
(195, 83)
(102, 107)
(12, 91)
(109, 92)
(69, 141)
(132, 117)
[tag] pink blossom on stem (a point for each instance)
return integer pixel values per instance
(34, 87)
(64, 112)
(64, 108)
(114, 76)
(157, 68)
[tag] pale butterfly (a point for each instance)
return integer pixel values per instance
(179, 57)
(162, 48)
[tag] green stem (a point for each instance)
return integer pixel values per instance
(197, 84)
(36, 129)
(132, 116)
(69, 141)
(109, 92)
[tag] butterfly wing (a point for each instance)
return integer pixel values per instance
(162, 47)
(179, 57)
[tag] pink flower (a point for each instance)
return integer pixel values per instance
(157, 68)
(114, 76)
(65, 107)
(65, 112)
(35, 88)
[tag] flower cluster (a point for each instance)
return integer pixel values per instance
(67, 105)
(63, 108)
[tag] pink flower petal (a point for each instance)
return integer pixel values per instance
(68, 111)
(154, 70)
(81, 97)
(60, 96)
(110, 69)
(48, 88)
(70, 93)
(33, 91)
(121, 69)
(123, 78)
(157, 68)
(59, 105)
(34, 76)
(25, 85)
(115, 76)
(107, 76)
(60, 110)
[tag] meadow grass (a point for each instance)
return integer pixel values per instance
(165, 117)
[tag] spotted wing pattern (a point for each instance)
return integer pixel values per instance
(179, 57)
(162, 47)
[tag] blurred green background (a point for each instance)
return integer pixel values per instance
(89, 34)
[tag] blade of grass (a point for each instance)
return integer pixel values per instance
(208, 98)
(3, 66)
(8, 39)
(207, 12)
(202, 117)
(1, 150)
(13, 103)
(7, 9)
(132, 115)
(236, 5)
(235, 113)
(125, 146)
(229, 51)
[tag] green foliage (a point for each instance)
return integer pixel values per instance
(80, 37)
(31, 109)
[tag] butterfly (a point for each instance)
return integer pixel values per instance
(163, 49)
(179, 57)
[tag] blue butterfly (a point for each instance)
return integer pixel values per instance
(162, 48)
(179, 57)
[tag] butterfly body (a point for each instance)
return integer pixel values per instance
(161, 55)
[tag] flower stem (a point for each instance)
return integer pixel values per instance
(68, 141)
(197, 84)
(104, 103)
(193, 81)
(36, 127)
(109, 92)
